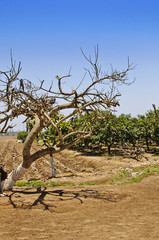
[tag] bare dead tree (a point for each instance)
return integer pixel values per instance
(21, 97)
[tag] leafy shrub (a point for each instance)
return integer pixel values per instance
(22, 136)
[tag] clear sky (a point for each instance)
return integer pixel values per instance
(46, 35)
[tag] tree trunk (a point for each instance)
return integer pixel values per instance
(27, 157)
(147, 143)
(14, 176)
(0, 184)
(109, 149)
(52, 166)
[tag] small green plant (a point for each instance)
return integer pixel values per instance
(69, 154)
(91, 183)
(39, 184)
(87, 184)
(121, 175)
(54, 184)
(31, 184)
(125, 177)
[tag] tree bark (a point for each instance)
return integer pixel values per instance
(14, 176)
(52, 166)
(109, 149)
(27, 157)
(27, 160)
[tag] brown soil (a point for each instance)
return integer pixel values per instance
(81, 212)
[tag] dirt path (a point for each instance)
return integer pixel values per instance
(78, 213)
(95, 212)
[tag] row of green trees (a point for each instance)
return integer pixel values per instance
(142, 130)
(107, 131)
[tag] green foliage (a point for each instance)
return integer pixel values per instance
(40, 184)
(107, 131)
(22, 136)
(124, 177)
(156, 135)
(81, 122)
(87, 184)
(146, 125)
(128, 131)
(113, 129)
(30, 124)
(117, 178)
(50, 134)
(54, 184)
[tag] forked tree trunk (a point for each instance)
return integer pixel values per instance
(27, 157)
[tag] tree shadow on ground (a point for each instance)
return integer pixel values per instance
(30, 198)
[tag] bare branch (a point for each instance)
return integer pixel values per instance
(20, 97)
(156, 112)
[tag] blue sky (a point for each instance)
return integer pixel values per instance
(46, 35)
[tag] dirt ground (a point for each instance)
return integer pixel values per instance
(79, 212)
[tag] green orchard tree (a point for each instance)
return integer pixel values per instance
(147, 127)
